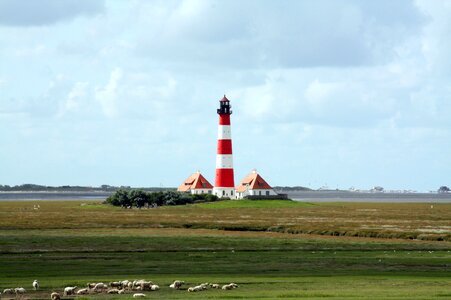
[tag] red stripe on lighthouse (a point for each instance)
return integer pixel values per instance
(224, 178)
(224, 147)
(224, 119)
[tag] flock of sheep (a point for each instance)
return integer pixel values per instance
(119, 287)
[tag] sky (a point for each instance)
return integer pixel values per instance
(336, 93)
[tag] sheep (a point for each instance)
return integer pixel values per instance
(139, 295)
(215, 286)
(69, 290)
(8, 291)
(55, 296)
(229, 286)
(154, 287)
(116, 284)
(176, 284)
(125, 283)
(20, 291)
(35, 285)
(130, 285)
(121, 291)
(196, 288)
(113, 291)
(82, 292)
(91, 285)
(145, 285)
(99, 287)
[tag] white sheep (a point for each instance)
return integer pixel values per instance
(55, 296)
(113, 291)
(99, 287)
(20, 291)
(121, 291)
(69, 290)
(139, 295)
(8, 291)
(154, 287)
(35, 285)
(177, 284)
(229, 286)
(82, 292)
(215, 286)
(91, 285)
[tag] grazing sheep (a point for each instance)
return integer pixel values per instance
(177, 284)
(8, 291)
(215, 286)
(121, 291)
(82, 292)
(229, 286)
(91, 285)
(125, 283)
(113, 291)
(139, 295)
(35, 285)
(69, 290)
(20, 291)
(116, 284)
(99, 287)
(55, 296)
(196, 288)
(154, 287)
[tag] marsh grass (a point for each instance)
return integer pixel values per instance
(419, 221)
(75, 242)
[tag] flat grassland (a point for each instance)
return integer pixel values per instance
(272, 249)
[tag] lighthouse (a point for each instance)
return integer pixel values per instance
(224, 180)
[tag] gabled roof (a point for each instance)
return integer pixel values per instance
(253, 181)
(224, 99)
(195, 181)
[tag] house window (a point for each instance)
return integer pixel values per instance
(223, 193)
(209, 191)
(231, 193)
(267, 193)
(259, 193)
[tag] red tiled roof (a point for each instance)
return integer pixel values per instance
(253, 181)
(195, 181)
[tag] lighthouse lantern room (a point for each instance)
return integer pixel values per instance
(224, 180)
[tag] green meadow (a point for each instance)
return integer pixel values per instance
(271, 249)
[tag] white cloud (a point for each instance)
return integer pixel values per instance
(107, 96)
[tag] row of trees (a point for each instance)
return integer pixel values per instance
(139, 198)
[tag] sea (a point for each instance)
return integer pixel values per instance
(306, 196)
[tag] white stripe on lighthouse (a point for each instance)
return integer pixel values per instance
(224, 132)
(224, 161)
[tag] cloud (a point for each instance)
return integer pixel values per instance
(107, 96)
(45, 12)
(289, 34)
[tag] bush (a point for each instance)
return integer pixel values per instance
(139, 198)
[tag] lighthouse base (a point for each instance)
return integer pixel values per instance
(224, 192)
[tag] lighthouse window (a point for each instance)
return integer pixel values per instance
(223, 193)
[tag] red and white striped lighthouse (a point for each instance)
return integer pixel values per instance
(224, 181)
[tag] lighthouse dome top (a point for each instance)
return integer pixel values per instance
(224, 99)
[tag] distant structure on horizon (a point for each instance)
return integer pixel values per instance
(252, 186)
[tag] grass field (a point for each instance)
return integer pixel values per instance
(261, 245)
